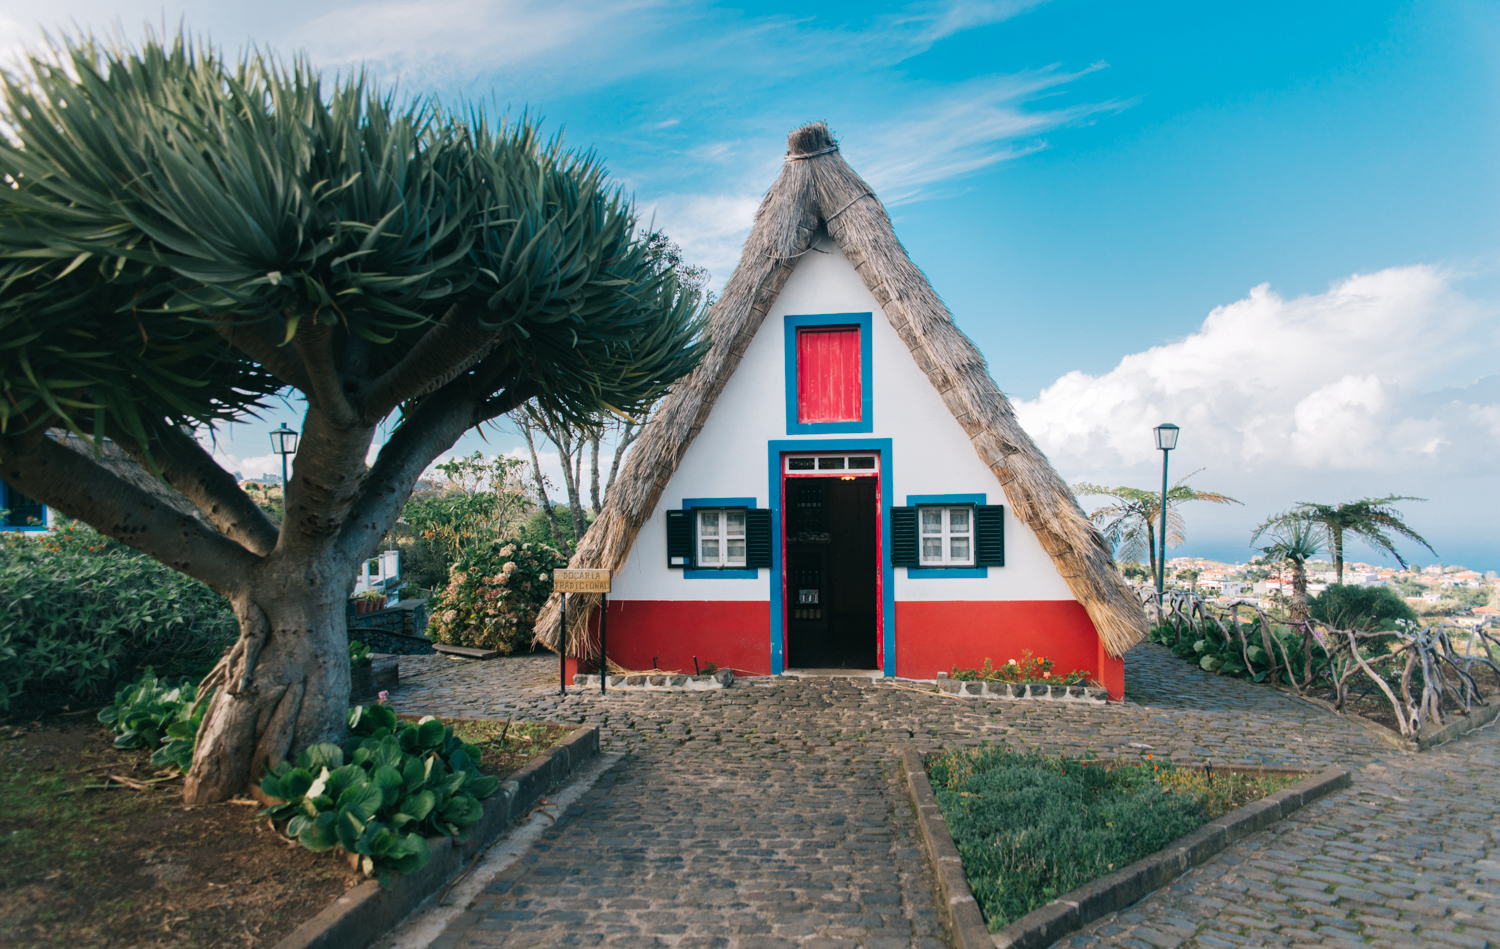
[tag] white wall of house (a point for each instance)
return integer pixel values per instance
(930, 454)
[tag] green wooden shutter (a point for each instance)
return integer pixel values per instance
(989, 535)
(679, 539)
(758, 538)
(904, 537)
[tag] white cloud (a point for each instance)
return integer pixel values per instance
(1323, 382)
(1325, 397)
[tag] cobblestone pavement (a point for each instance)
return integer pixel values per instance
(771, 814)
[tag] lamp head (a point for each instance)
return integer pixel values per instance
(1166, 436)
(284, 440)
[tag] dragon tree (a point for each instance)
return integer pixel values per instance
(187, 237)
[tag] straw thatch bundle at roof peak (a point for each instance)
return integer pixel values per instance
(817, 191)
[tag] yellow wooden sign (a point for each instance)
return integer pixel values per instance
(580, 581)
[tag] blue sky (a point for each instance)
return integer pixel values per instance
(1274, 223)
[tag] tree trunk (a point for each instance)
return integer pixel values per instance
(594, 472)
(541, 485)
(1336, 536)
(1151, 550)
(1299, 592)
(283, 686)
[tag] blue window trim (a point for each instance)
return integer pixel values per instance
(774, 450)
(946, 573)
(714, 573)
(23, 528)
(866, 421)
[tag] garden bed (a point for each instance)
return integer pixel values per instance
(90, 859)
(1030, 827)
(1042, 843)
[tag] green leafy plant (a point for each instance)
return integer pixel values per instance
(494, 595)
(359, 654)
(153, 713)
(80, 612)
(403, 781)
(1029, 668)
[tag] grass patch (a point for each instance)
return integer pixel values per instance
(1030, 827)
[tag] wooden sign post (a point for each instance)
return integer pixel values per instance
(582, 581)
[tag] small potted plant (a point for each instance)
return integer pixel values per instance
(369, 601)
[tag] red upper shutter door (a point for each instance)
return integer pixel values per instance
(828, 382)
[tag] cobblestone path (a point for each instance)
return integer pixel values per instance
(771, 814)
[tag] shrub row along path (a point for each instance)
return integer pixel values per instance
(771, 814)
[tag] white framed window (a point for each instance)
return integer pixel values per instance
(863, 464)
(947, 536)
(721, 537)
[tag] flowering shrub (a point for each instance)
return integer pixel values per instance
(494, 594)
(1028, 669)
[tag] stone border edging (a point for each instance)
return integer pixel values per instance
(367, 912)
(1098, 898)
(1013, 691)
(659, 681)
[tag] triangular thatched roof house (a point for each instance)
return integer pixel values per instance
(821, 344)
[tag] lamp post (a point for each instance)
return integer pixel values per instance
(283, 443)
(1166, 440)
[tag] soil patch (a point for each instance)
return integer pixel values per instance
(1368, 701)
(97, 848)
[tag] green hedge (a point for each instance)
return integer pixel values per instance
(80, 613)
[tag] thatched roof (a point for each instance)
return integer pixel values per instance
(816, 189)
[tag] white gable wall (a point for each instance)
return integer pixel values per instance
(930, 454)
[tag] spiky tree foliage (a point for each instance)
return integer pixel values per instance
(1369, 519)
(1129, 524)
(1295, 542)
(185, 237)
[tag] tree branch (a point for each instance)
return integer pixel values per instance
(194, 474)
(314, 341)
(259, 341)
(446, 351)
(427, 432)
(80, 487)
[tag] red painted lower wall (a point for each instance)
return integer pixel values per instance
(933, 637)
(735, 634)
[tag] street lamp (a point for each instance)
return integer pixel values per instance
(1166, 440)
(283, 443)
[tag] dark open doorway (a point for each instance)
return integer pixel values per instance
(832, 568)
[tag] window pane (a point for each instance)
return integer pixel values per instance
(959, 550)
(799, 464)
(958, 520)
(932, 520)
(734, 524)
(862, 462)
(735, 550)
(932, 550)
(827, 463)
(708, 523)
(710, 553)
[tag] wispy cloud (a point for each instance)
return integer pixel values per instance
(958, 131)
(935, 21)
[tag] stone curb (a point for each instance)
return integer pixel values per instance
(1013, 691)
(1080, 907)
(367, 911)
(660, 681)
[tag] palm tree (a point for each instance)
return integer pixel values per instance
(1367, 519)
(1129, 525)
(1296, 542)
